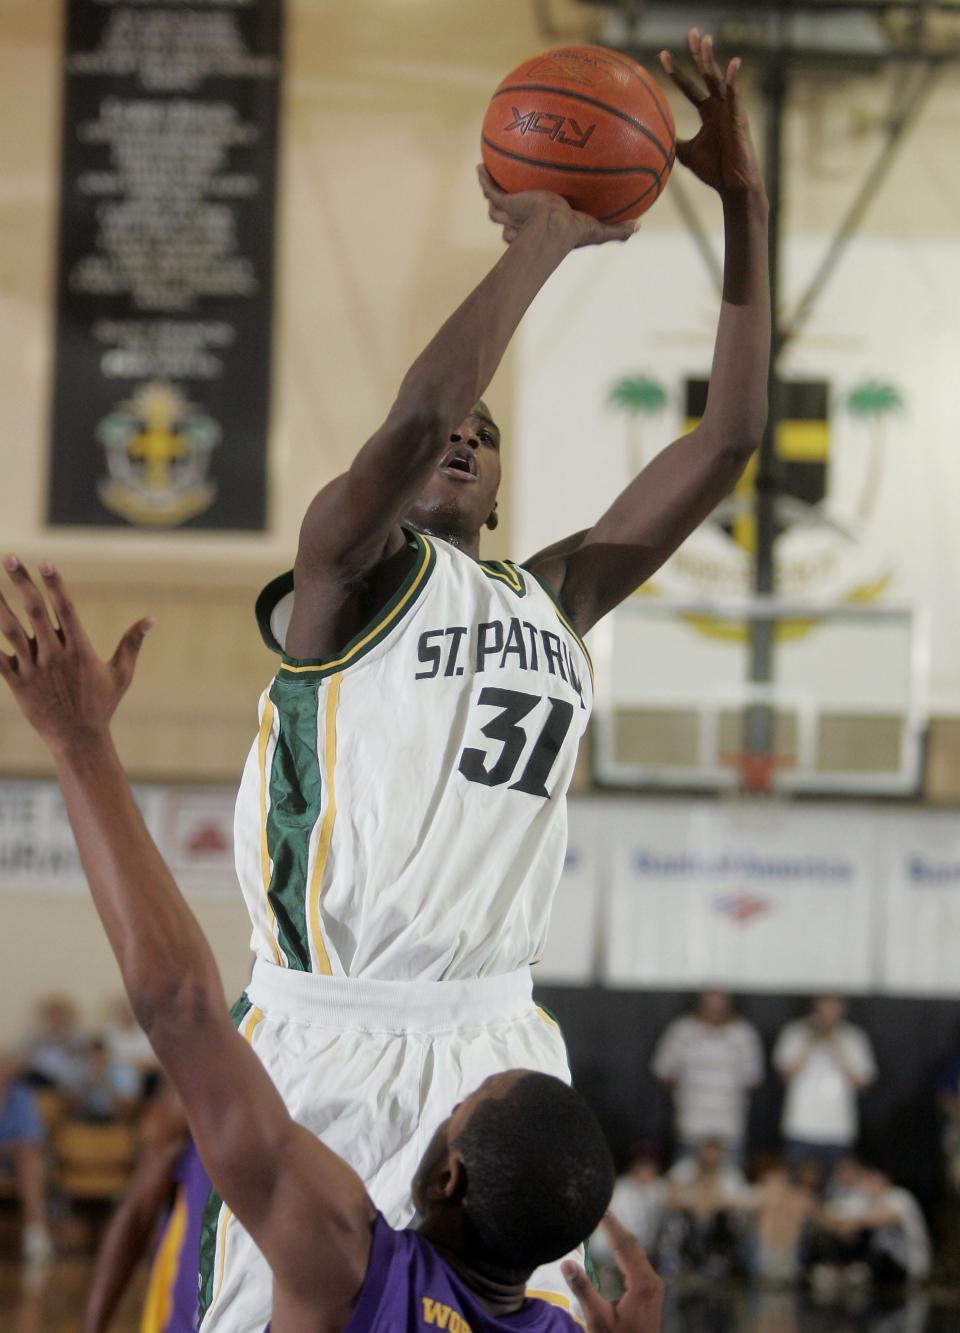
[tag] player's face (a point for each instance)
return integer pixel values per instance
(461, 494)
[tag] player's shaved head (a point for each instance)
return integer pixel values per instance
(539, 1174)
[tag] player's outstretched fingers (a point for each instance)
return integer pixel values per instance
(710, 69)
(16, 636)
(643, 1285)
(488, 185)
(597, 1311)
(682, 80)
(60, 600)
(124, 659)
(47, 640)
(733, 69)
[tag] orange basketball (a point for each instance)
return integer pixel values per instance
(587, 123)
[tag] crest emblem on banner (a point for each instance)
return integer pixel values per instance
(158, 447)
(831, 447)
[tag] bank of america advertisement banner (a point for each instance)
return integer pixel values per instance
(752, 897)
(574, 939)
(919, 870)
(614, 359)
(658, 894)
(165, 264)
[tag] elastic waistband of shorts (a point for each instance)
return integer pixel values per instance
(388, 1006)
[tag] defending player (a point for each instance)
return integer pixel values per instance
(168, 1183)
(518, 1173)
(401, 824)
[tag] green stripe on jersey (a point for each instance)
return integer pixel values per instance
(211, 1213)
(294, 808)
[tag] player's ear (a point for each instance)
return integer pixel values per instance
(492, 519)
(455, 1179)
(448, 1180)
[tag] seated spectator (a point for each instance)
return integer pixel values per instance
(826, 1063)
(710, 1060)
(21, 1151)
(52, 1056)
(783, 1208)
(703, 1230)
(638, 1201)
(105, 1090)
(873, 1232)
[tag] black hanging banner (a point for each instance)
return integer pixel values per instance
(165, 279)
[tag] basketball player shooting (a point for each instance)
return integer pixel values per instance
(517, 1174)
(401, 822)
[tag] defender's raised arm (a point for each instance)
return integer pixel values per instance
(254, 1152)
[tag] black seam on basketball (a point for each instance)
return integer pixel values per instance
(589, 101)
(609, 217)
(563, 168)
(659, 99)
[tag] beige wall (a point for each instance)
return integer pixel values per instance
(380, 228)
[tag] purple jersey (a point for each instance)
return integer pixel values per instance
(410, 1286)
(172, 1300)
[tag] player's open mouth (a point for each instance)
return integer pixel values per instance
(460, 464)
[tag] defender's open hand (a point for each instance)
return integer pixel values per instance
(63, 688)
(513, 211)
(721, 154)
(640, 1307)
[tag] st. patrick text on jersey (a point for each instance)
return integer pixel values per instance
(496, 645)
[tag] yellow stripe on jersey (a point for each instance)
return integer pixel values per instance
(329, 664)
(263, 744)
(158, 1301)
(247, 1028)
(501, 570)
(330, 814)
(554, 1298)
(550, 1022)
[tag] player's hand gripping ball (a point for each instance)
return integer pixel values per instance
(585, 123)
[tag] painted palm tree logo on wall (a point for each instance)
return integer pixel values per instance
(637, 396)
(831, 519)
(872, 403)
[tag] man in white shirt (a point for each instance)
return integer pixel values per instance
(637, 1203)
(826, 1063)
(883, 1231)
(710, 1060)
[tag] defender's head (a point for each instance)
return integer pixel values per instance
(461, 496)
(518, 1175)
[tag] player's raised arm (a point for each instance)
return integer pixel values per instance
(353, 523)
(279, 1180)
(683, 484)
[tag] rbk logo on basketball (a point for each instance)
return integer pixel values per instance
(551, 124)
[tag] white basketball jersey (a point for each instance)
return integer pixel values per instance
(402, 813)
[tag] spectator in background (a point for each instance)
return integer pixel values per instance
(638, 1203)
(875, 1232)
(706, 1201)
(128, 1045)
(826, 1063)
(783, 1209)
(21, 1148)
(105, 1090)
(710, 1060)
(52, 1056)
